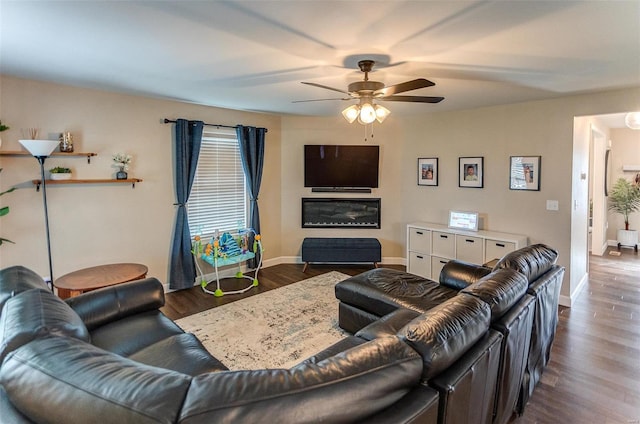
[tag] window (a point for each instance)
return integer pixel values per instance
(218, 200)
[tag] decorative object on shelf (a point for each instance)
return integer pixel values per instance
(122, 161)
(524, 173)
(624, 198)
(41, 149)
(5, 209)
(60, 173)
(471, 172)
(227, 250)
(31, 133)
(428, 171)
(2, 128)
(66, 142)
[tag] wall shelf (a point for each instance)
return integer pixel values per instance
(58, 154)
(131, 181)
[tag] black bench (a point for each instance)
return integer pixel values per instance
(341, 250)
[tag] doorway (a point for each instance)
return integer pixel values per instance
(599, 148)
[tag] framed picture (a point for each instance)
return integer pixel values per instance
(471, 172)
(524, 173)
(428, 171)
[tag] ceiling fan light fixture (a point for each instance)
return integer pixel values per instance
(367, 114)
(351, 113)
(381, 113)
(632, 120)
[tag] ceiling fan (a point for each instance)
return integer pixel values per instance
(366, 91)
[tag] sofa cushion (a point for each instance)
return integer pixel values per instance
(129, 335)
(100, 307)
(36, 313)
(383, 290)
(347, 387)
(16, 279)
(500, 290)
(77, 382)
(532, 261)
(182, 353)
(458, 274)
(443, 334)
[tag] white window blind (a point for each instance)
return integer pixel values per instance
(218, 199)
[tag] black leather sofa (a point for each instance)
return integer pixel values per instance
(111, 356)
(522, 291)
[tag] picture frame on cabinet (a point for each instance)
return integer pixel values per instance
(427, 171)
(471, 172)
(524, 173)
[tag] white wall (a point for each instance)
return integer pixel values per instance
(625, 150)
(97, 224)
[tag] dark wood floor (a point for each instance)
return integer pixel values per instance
(594, 373)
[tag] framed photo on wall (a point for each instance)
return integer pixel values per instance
(428, 171)
(471, 172)
(524, 173)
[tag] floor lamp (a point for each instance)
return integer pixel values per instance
(42, 149)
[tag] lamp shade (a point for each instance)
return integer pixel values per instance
(632, 120)
(39, 147)
(367, 114)
(381, 113)
(351, 113)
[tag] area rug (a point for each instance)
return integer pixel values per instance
(275, 329)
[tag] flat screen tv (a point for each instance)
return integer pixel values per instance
(341, 166)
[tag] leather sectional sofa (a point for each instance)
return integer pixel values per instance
(495, 377)
(111, 356)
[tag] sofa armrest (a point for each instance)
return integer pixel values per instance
(458, 275)
(102, 306)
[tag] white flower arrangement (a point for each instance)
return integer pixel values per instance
(122, 161)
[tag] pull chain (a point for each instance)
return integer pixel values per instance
(365, 131)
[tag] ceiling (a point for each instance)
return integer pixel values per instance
(253, 55)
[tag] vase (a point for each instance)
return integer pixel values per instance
(121, 175)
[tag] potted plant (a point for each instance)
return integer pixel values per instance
(624, 199)
(60, 173)
(3, 127)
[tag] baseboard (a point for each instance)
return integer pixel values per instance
(568, 300)
(229, 273)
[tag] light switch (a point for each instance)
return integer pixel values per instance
(552, 205)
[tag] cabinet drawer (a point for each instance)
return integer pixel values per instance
(419, 240)
(436, 266)
(469, 249)
(419, 264)
(443, 244)
(496, 249)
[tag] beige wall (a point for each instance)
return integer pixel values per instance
(625, 150)
(544, 128)
(96, 224)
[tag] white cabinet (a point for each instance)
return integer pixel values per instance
(431, 246)
(419, 253)
(469, 249)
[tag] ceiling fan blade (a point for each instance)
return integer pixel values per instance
(418, 99)
(321, 100)
(325, 87)
(404, 86)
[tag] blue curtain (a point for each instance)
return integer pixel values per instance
(182, 269)
(251, 140)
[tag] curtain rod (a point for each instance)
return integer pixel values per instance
(169, 121)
